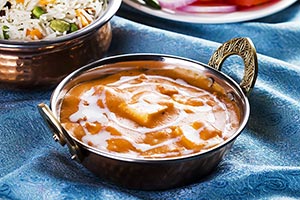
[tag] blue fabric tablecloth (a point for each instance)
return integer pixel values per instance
(264, 162)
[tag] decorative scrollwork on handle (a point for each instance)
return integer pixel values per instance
(245, 49)
(59, 133)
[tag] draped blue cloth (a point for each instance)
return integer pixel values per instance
(264, 162)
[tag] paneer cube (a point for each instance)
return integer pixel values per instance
(142, 113)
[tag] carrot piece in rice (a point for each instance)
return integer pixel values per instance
(34, 34)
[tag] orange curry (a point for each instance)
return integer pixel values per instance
(150, 115)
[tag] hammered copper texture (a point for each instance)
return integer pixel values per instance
(154, 175)
(48, 65)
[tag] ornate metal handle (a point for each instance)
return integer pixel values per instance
(59, 133)
(245, 49)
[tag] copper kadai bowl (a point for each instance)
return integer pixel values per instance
(47, 62)
(156, 173)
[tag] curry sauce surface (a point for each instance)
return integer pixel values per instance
(140, 114)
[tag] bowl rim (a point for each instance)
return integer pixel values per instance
(54, 100)
(111, 9)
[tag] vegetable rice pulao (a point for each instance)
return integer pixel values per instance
(28, 20)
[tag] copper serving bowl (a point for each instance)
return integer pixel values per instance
(46, 62)
(156, 173)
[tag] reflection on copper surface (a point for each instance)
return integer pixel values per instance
(48, 65)
(8, 67)
(8, 60)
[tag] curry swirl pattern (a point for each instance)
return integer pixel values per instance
(245, 49)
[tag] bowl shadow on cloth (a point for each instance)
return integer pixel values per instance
(63, 169)
(269, 118)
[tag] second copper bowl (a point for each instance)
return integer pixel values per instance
(47, 62)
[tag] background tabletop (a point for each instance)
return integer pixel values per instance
(264, 162)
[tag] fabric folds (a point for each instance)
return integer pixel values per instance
(264, 162)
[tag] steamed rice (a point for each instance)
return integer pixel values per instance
(17, 21)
